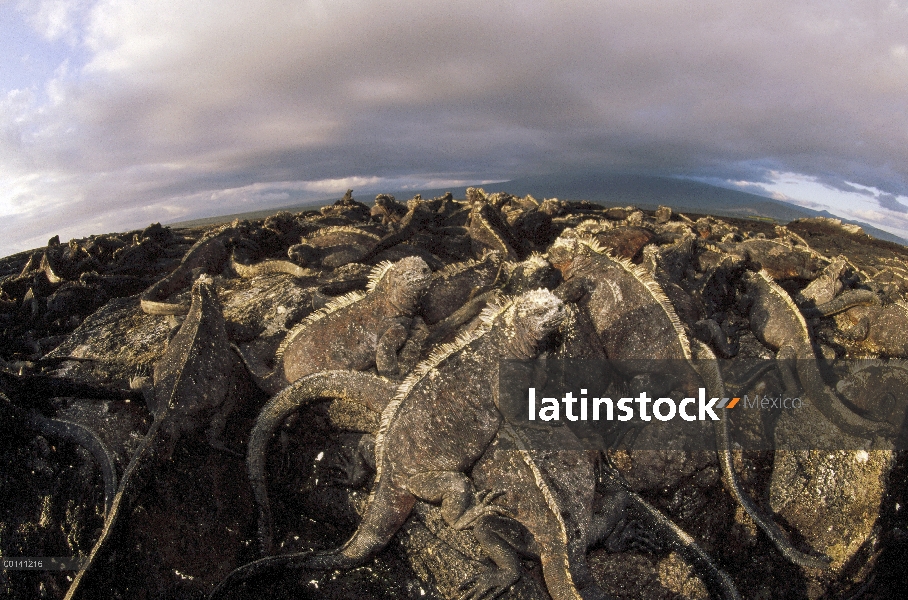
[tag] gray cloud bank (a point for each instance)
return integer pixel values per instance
(191, 108)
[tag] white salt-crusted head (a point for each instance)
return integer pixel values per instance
(539, 311)
(410, 272)
(564, 248)
(403, 282)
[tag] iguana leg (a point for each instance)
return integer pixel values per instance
(786, 359)
(859, 332)
(219, 423)
(612, 528)
(454, 491)
(386, 350)
(491, 533)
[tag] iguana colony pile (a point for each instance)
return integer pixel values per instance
(307, 405)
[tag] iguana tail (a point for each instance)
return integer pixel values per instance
(78, 434)
(720, 580)
(708, 370)
(256, 569)
(842, 302)
(270, 266)
(134, 479)
(89, 440)
(149, 302)
(370, 390)
(388, 508)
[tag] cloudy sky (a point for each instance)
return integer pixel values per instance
(117, 113)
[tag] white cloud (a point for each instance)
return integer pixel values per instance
(54, 19)
(181, 98)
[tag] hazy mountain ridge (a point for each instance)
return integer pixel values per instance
(644, 191)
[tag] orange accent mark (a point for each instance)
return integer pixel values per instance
(732, 403)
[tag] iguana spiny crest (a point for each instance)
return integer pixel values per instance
(632, 315)
(357, 330)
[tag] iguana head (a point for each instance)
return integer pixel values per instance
(529, 320)
(402, 283)
(565, 250)
(532, 273)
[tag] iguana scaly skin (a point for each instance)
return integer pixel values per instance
(778, 324)
(208, 255)
(876, 330)
(190, 383)
(548, 486)
(440, 422)
(635, 321)
(454, 285)
(356, 331)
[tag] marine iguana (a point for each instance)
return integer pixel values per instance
(875, 330)
(779, 258)
(387, 209)
(269, 266)
(511, 279)
(208, 255)
(636, 322)
(825, 286)
(355, 331)
(544, 481)
(418, 218)
(333, 246)
(844, 301)
(489, 230)
(457, 283)
(548, 484)
(631, 313)
(440, 422)
(778, 324)
(548, 488)
(191, 382)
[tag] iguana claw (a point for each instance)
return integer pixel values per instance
(488, 585)
(482, 507)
